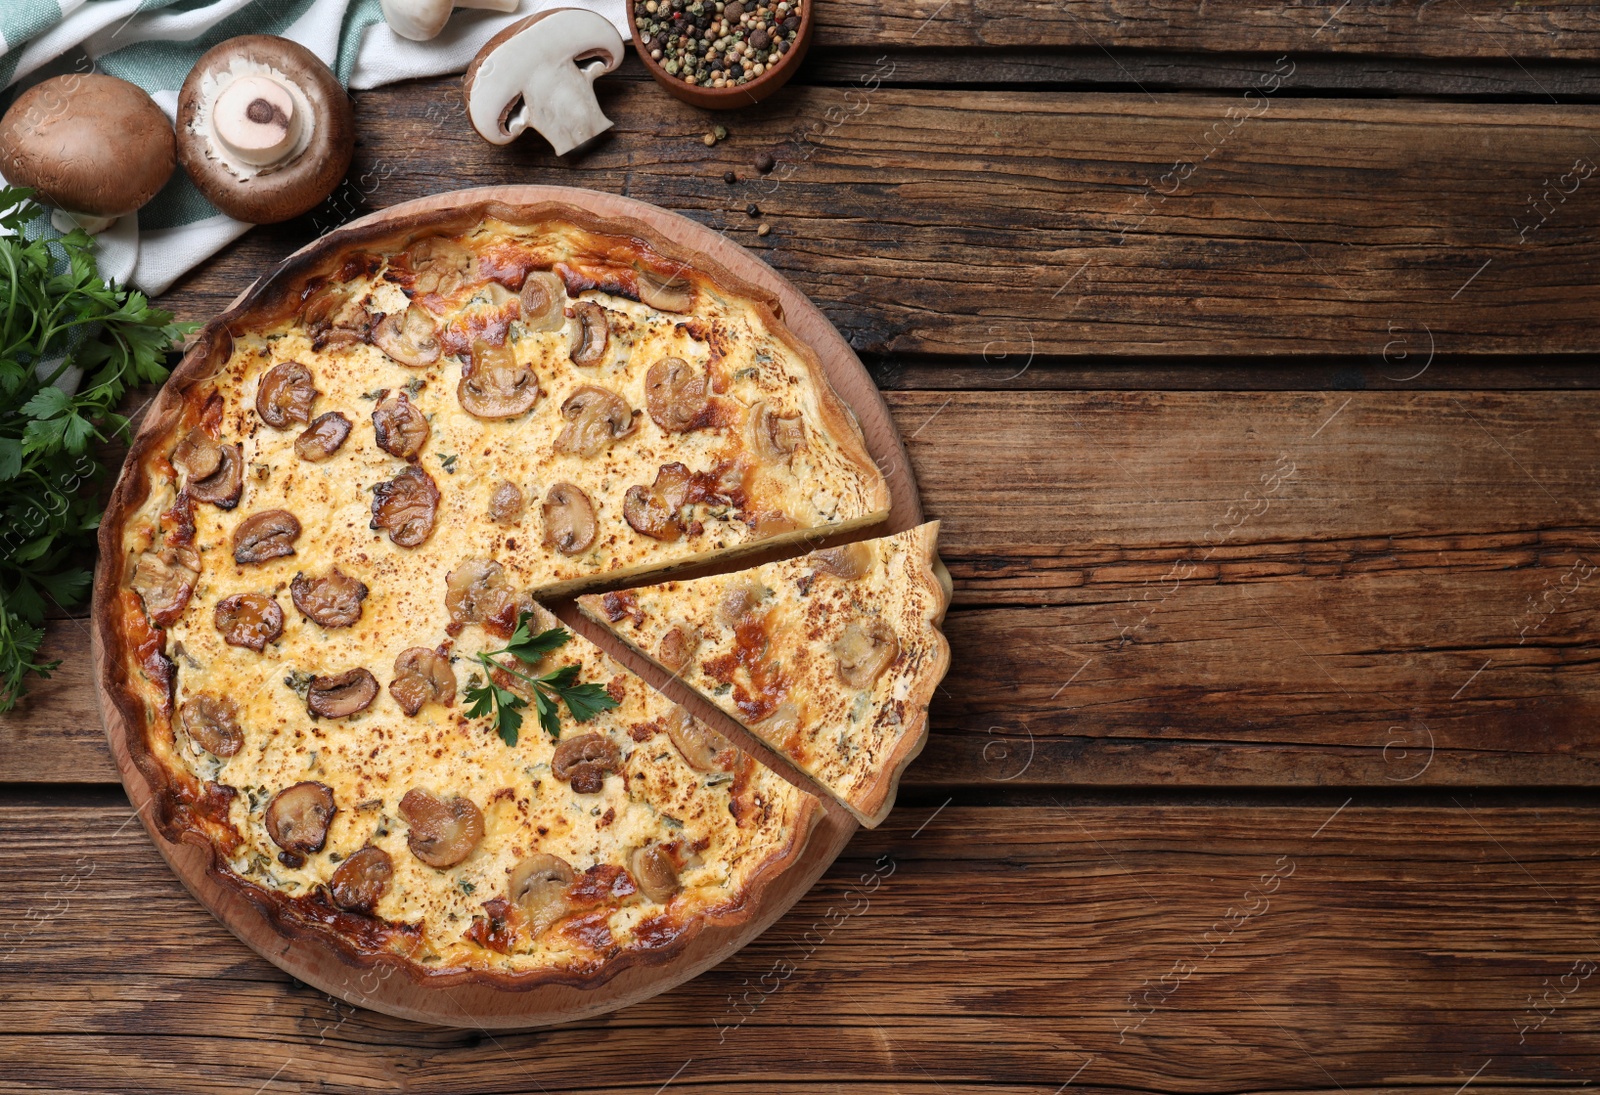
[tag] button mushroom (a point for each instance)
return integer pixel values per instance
(420, 20)
(864, 650)
(286, 394)
(584, 761)
(198, 456)
(324, 437)
(410, 337)
(655, 872)
(538, 885)
(222, 487)
(338, 697)
(333, 600)
(422, 676)
(401, 430)
(570, 525)
(775, 436)
(334, 316)
(543, 302)
(539, 73)
(655, 510)
(251, 620)
(496, 385)
(269, 534)
(93, 146)
(736, 604)
(164, 579)
(478, 592)
(702, 748)
(597, 418)
(677, 648)
(505, 503)
(439, 266)
(591, 336)
(297, 818)
(676, 395)
(213, 724)
(265, 130)
(849, 561)
(358, 883)
(405, 506)
(669, 293)
(443, 831)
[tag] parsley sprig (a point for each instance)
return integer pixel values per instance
(71, 345)
(584, 701)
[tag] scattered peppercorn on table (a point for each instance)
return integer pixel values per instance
(1246, 357)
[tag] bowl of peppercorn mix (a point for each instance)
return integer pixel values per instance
(721, 54)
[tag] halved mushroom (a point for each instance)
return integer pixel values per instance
(539, 73)
(864, 651)
(222, 487)
(410, 337)
(443, 831)
(286, 394)
(676, 395)
(774, 436)
(655, 510)
(849, 561)
(164, 578)
(596, 418)
(669, 293)
(591, 336)
(677, 647)
(506, 503)
(422, 676)
(737, 603)
(497, 385)
(401, 430)
(543, 302)
(655, 872)
(570, 525)
(358, 883)
(341, 696)
(440, 265)
(406, 506)
(198, 455)
(251, 620)
(477, 592)
(334, 316)
(584, 761)
(783, 722)
(323, 437)
(265, 129)
(95, 147)
(269, 534)
(212, 722)
(297, 818)
(539, 885)
(333, 600)
(702, 748)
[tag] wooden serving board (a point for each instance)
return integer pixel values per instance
(483, 1007)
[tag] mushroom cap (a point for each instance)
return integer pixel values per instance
(266, 195)
(88, 143)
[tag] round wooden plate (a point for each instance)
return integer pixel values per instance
(481, 1006)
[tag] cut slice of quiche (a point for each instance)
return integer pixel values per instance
(831, 658)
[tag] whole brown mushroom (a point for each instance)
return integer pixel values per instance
(95, 147)
(265, 130)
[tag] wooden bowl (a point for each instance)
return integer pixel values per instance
(729, 98)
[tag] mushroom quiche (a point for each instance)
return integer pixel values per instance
(831, 658)
(359, 480)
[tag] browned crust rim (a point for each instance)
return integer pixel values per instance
(265, 301)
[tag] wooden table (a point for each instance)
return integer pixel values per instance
(1245, 351)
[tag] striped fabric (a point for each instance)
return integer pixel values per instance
(154, 43)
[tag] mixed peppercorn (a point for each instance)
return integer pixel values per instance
(710, 43)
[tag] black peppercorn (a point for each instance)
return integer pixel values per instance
(752, 210)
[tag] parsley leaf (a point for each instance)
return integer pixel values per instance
(583, 701)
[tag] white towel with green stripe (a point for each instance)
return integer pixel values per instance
(154, 43)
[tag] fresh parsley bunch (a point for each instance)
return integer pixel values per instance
(584, 701)
(59, 324)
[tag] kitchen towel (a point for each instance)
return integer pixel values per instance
(154, 43)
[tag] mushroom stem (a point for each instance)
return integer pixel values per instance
(65, 221)
(420, 20)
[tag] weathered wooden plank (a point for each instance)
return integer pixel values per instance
(1302, 948)
(1248, 588)
(1000, 224)
(1414, 28)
